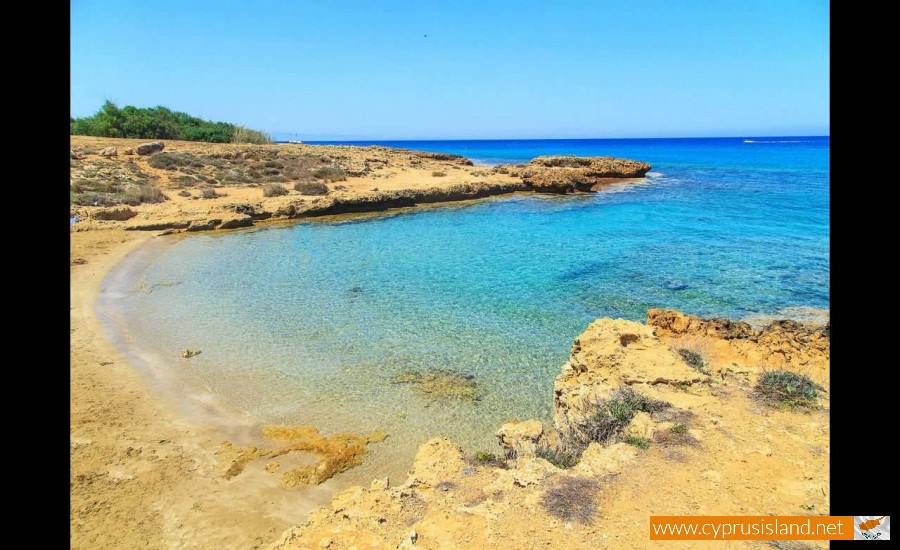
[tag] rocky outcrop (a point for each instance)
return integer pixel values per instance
(383, 200)
(150, 148)
(669, 322)
(711, 455)
(781, 344)
(610, 354)
(559, 174)
(109, 152)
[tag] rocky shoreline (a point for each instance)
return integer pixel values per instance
(701, 443)
(188, 186)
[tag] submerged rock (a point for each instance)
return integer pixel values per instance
(445, 384)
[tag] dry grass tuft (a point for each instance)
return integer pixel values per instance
(571, 498)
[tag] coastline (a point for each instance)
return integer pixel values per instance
(144, 475)
(141, 474)
(138, 463)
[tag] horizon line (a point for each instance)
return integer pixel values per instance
(356, 139)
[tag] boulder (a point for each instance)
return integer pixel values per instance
(109, 152)
(150, 148)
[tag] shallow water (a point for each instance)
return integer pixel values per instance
(310, 323)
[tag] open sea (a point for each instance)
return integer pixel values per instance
(310, 323)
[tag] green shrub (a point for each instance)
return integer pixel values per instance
(609, 418)
(209, 193)
(311, 188)
(137, 194)
(482, 456)
(637, 441)
(693, 359)
(171, 161)
(559, 457)
(437, 174)
(787, 389)
(159, 123)
(331, 173)
(274, 190)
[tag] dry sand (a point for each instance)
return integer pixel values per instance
(142, 475)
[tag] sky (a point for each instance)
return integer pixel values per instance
(344, 70)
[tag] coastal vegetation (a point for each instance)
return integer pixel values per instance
(571, 498)
(160, 123)
(331, 173)
(274, 190)
(311, 188)
(694, 359)
(782, 388)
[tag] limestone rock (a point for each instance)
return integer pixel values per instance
(605, 357)
(437, 460)
(237, 222)
(560, 174)
(520, 438)
(109, 152)
(640, 426)
(668, 322)
(598, 460)
(782, 344)
(150, 148)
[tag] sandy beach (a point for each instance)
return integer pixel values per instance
(142, 475)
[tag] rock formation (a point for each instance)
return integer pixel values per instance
(559, 174)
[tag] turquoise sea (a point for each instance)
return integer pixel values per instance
(310, 323)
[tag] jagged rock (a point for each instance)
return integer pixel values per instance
(640, 426)
(670, 322)
(598, 460)
(520, 438)
(559, 174)
(781, 344)
(150, 148)
(109, 152)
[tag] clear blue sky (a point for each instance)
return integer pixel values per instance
(487, 69)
